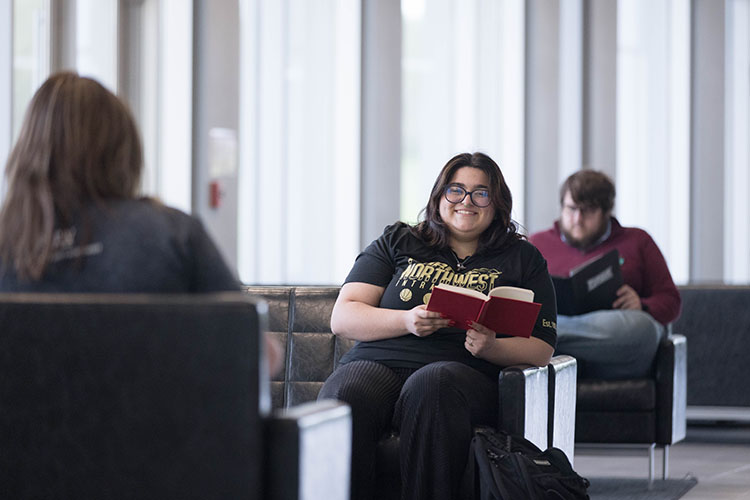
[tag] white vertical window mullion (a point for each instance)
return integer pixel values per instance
(248, 217)
(148, 72)
(346, 178)
(96, 40)
(175, 102)
(511, 88)
(465, 76)
(428, 113)
(308, 171)
(30, 55)
(678, 176)
(6, 84)
(488, 40)
(271, 203)
(571, 83)
(737, 159)
(634, 114)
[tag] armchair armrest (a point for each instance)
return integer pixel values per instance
(523, 398)
(563, 377)
(671, 389)
(308, 450)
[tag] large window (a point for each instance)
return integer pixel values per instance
(158, 57)
(96, 30)
(463, 91)
(150, 40)
(24, 64)
(653, 124)
(299, 140)
(31, 53)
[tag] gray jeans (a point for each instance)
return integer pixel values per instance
(612, 344)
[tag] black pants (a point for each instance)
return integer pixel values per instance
(434, 410)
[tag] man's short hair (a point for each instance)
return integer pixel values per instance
(590, 188)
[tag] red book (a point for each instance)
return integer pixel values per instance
(507, 310)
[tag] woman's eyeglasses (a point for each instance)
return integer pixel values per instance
(456, 194)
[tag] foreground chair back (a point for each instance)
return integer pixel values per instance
(133, 396)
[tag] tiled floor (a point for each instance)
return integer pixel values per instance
(718, 456)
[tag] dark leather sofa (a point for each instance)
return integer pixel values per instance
(154, 397)
(299, 317)
(716, 321)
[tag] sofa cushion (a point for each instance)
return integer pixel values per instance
(616, 395)
(312, 309)
(311, 357)
(277, 383)
(615, 427)
(300, 320)
(277, 299)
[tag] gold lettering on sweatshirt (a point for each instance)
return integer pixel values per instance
(421, 275)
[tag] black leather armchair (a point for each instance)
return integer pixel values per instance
(153, 396)
(648, 411)
(300, 320)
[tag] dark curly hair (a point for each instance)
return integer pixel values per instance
(502, 232)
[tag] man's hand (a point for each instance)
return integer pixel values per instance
(422, 322)
(627, 298)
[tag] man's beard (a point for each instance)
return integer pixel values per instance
(584, 243)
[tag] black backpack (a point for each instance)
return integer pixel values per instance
(504, 467)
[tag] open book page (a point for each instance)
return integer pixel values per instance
(512, 292)
(462, 291)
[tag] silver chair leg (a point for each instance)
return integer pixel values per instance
(665, 464)
(651, 465)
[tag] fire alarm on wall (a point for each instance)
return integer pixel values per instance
(214, 194)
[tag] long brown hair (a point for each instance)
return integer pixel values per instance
(502, 231)
(79, 143)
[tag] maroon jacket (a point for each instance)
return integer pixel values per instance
(643, 265)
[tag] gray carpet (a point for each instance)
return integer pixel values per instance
(623, 488)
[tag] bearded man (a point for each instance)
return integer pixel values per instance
(620, 342)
